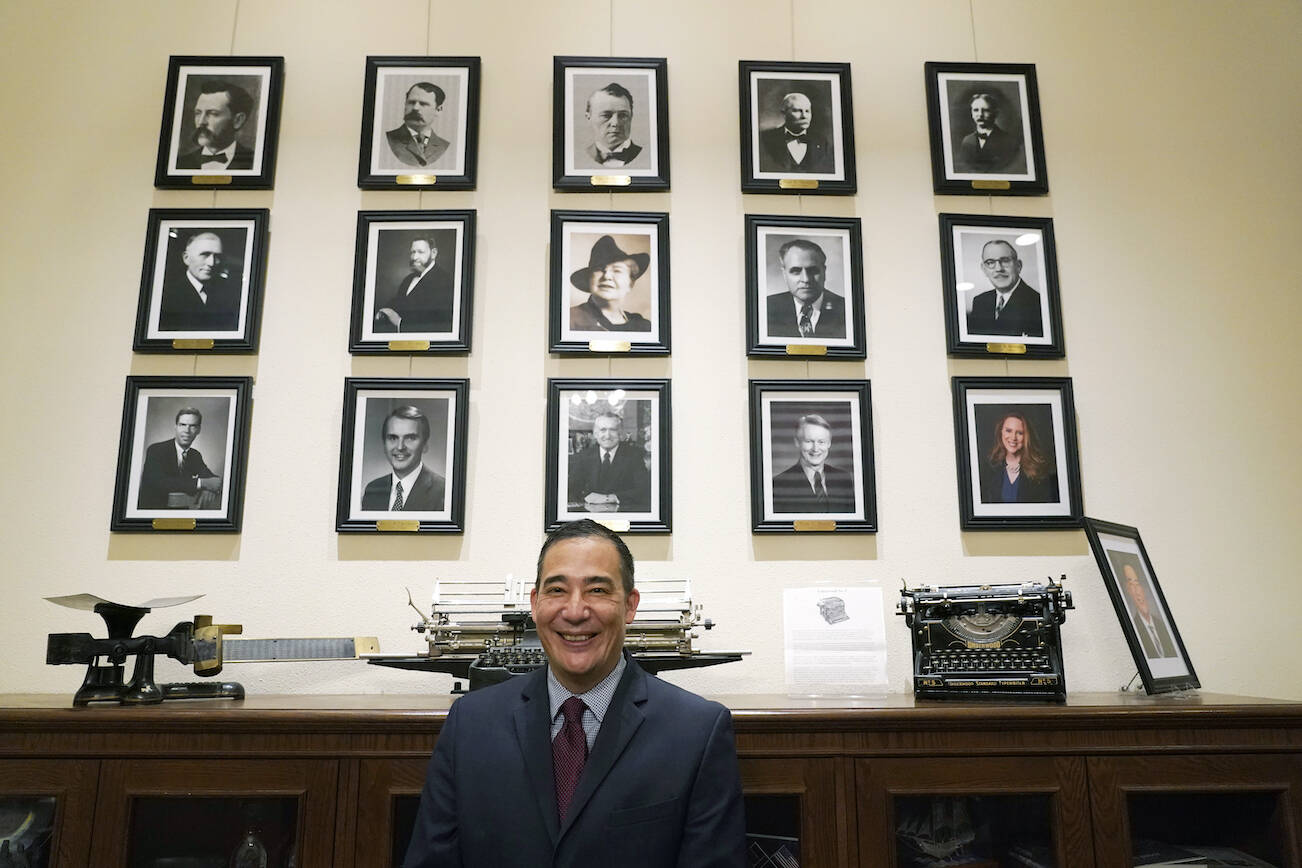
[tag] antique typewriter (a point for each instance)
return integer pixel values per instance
(987, 641)
(483, 631)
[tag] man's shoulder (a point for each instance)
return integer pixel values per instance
(792, 472)
(379, 482)
(1030, 290)
(397, 133)
(159, 446)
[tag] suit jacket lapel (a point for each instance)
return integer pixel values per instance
(622, 720)
(533, 731)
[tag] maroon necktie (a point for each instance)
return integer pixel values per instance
(569, 752)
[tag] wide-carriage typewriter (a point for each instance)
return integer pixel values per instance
(987, 641)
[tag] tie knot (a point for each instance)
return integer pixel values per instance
(572, 710)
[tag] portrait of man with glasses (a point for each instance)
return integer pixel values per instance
(1011, 306)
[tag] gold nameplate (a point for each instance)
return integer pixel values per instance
(805, 350)
(192, 344)
(174, 524)
(408, 346)
(398, 524)
(1007, 349)
(609, 346)
(610, 180)
(421, 180)
(210, 179)
(615, 525)
(798, 184)
(991, 185)
(813, 524)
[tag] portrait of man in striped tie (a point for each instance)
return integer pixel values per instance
(411, 486)
(811, 484)
(806, 308)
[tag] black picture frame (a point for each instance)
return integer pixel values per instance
(640, 472)
(584, 246)
(395, 310)
(768, 163)
(251, 164)
(773, 317)
(576, 168)
(1159, 652)
(164, 489)
(799, 426)
(1011, 161)
(972, 327)
(221, 250)
(1049, 500)
(390, 157)
(435, 501)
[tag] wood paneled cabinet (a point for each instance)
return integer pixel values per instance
(334, 781)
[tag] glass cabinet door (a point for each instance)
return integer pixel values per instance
(388, 795)
(797, 813)
(46, 808)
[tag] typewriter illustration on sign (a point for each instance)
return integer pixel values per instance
(987, 641)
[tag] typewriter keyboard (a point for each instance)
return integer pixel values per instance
(989, 660)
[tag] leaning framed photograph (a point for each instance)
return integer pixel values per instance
(797, 128)
(811, 456)
(985, 128)
(182, 453)
(202, 280)
(1000, 278)
(804, 287)
(609, 283)
(221, 118)
(1015, 441)
(413, 282)
(610, 124)
(402, 455)
(1141, 606)
(420, 124)
(608, 454)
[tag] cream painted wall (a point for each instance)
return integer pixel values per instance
(1172, 132)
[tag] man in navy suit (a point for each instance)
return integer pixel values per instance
(415, 143)
(220, 110)
(411, 486)
(174, 475)
(588, 761)
(807, 309)
(610, 476)
(1012, 307)
(422, 301)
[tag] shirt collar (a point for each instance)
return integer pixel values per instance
(409, 481)
(597, 699)
(815, 306)
(229, 151)
(615, 150)
(1005, 293)
(198, 287)
(180, 451)
(611, 451)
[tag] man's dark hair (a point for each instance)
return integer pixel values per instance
(406, 411)
(429, 87)
(614, 89)
(187, 411)
(241, 102)
(586, 528)
(801, 244)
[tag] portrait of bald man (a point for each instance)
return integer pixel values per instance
(801, 143)
(202, 289)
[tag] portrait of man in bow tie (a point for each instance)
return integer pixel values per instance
(221, 110)
(410, 486)
(800, 144)
(991, 145)
(609, 115)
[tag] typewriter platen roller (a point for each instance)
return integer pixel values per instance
(987, 641)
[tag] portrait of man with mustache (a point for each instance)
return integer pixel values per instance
(220, 112)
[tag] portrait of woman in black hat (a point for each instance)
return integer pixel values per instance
(607, 279)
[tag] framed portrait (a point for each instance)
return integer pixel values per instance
(811, 456)
(985, 128)
(182, 454)
(608, 454)
(1000, 277)
(420, 124)
(402, 455)
(1145, 617)
(201, 284)
(413, 282)
(1015, 440)
(610, 124)
(804, 287)
(609, 282)
(797, 128)
(221, 117)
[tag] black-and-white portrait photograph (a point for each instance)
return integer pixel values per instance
(220, 122)
(202, 280)
(1018, 465)
(402, 454)
(609, 282)
(812, 455)
(804, 286)
(608, 455)
(420, 123)
(985, 128)
(1142, 610)
(796, 124)
(413, 282)
(610, 123)
(182, 453)
(1000, 277)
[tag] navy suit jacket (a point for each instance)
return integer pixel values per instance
(660, 789)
